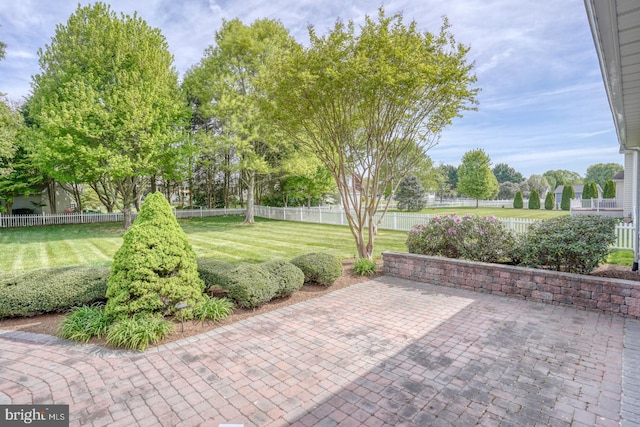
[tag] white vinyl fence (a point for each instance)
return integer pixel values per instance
(88, 218)
(391, 221)
(405, 221)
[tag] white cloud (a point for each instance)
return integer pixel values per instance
(542, 102)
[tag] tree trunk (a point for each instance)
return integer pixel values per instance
(126, 210)
(154, 184)
(51, 195)
(249, 213)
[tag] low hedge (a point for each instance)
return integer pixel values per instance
(288, 277)
(50, 290)
(212, 271)
(323, 269)
(249, 285)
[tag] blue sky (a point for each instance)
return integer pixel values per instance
(542, 100)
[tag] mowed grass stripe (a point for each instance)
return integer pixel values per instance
(225, 238)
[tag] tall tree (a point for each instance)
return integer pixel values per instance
(11, 125)
(369, 105)
(602, 172)
(562, 177)
(475, 178)
(505, 173)
(107, 103)
(410, 194)
(507, 190)
(535, 182)
(228, 73)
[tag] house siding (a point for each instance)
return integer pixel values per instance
(628, 184)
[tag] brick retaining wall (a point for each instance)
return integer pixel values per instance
(584, 292)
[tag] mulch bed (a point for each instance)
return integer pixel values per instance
(48, 323)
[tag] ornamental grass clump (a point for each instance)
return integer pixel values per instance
(469, 237)
(155, 268)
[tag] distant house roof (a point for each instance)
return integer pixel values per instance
(619, 176)
(576, 188)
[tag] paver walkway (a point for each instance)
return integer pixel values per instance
(385, 352)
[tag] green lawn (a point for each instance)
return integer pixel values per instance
(224, 238)
(497, 212)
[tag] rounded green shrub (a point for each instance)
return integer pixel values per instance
(534, 200)
(287, 276)
(50, 290)
(321, 268)
(550, 201)
(249, 285)
(575, 244)
(212, 271)
(155, 268)
(518, 201)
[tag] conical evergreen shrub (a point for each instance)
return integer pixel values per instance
(550, 201)
(155, 268)
(567, 195)
(518, 202)
(534, 200)
(609, 191)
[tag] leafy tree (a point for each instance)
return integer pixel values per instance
(306, 177)
(446, 180)
(518, 202)
(106, 104)
(609, 191)
(535, 182)
(155, 268)
(589, 191)
(505, 173)
(567, 194)
(550, 201)
(226, 81)
(369, 105)
(507, 190)
(534, 200)
(23, 179)
(475, 178)
(11, 126)
(410, 194)
(602, 172)
(562, 177)
(451, 174)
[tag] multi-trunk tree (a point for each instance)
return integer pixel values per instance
(106, 105)
(369, 103)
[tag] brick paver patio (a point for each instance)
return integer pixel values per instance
(385, 352)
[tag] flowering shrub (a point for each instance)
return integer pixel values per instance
(470, 237)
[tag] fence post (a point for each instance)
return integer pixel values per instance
(395, 221)
(320, 214)
(301, 218)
